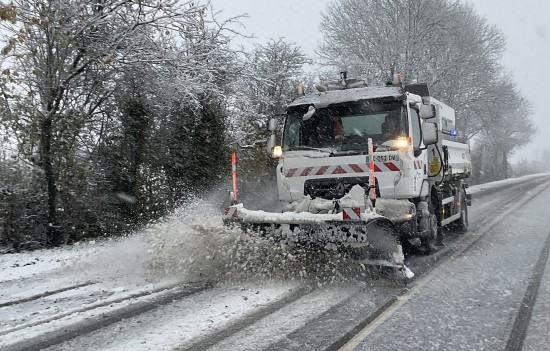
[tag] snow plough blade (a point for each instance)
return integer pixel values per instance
(383, 247)
(373, 240)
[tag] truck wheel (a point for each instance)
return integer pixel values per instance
(462, 222)
(428, 240)
(433, 237)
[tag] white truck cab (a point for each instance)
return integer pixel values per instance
(418, 167)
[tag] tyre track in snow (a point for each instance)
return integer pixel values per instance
(336, 326)
(324, 335)
(45, 294)
(521, 323)
(340, 319)
(210, 340)
(505, 197)
(166, 294)
(342, 322)
(454, 249)
(339, 324)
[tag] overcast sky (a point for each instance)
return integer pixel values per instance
(524, 23)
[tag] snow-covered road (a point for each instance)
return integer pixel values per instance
(472, 301)
(181, 285)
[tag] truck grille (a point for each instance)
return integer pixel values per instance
(334, 188)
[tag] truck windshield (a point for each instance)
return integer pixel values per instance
(345, 127)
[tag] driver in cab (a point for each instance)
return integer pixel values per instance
(337, 128)
(390, 128)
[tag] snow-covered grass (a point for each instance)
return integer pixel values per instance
(90, 260)
(476, 189)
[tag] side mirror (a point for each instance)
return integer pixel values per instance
(271, 143)
(429, 131)
(272, 124)
(426, 111)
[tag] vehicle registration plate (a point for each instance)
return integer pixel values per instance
(385, 158)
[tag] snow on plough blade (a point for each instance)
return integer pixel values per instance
(367, 238)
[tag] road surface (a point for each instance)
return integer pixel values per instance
(487, 289)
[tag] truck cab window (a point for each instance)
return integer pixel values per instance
(346, 127)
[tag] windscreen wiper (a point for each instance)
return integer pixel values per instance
(350, 152)
(320, 149)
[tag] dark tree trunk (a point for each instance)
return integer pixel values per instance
(53, 234)
(505, 170)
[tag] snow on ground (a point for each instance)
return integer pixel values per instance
(277, 326)
(503, 183)
(180, 321)
(112, 258)
(190, 245)
(471, 301)
(51, 314)
(117, 264)
(191, 242)
(28, 264)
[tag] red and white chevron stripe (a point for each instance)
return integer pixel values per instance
(352, 168)
(351, 213)
(231, 212)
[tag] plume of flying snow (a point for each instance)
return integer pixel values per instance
(194, 244)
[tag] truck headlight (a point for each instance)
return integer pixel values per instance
(277, 152)
(403, 142)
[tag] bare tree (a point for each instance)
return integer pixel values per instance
(267, 82)
(269, 77)
(441, 42)
(65, 55)
(445, 44)
(510, 129)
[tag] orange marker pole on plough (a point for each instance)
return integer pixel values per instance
(234, 176)
(372, 180)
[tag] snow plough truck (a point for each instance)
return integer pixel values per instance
(365, 169)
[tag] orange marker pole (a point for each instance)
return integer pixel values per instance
(234, 175)
(372, 181)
